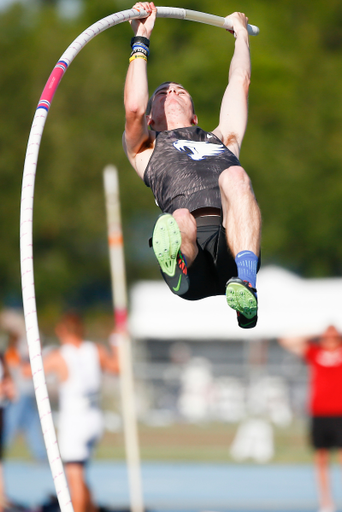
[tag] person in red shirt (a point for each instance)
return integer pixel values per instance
(324, 358)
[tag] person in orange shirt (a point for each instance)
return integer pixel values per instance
(7, 393)
(21, 415)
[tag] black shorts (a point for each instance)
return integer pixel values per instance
(326, 432)
(214, 264)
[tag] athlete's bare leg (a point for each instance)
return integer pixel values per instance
(188, 228)
(80, 494)
(322, 471)
(241, 213)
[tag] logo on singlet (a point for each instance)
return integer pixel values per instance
(198, 150)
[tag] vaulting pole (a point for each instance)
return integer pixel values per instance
(26, 218)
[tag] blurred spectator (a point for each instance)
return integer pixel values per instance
(7, 392)
(21, 415)
(196, 395)
(78, 365)
(253, 440)
(268, 397)
(324, 358)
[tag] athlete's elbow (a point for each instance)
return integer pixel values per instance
(247, 79)
(243, 76)
(134, 109)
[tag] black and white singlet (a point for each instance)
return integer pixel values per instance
(184, 168)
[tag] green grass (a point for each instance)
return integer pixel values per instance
(192, 443)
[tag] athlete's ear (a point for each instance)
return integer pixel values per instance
(194, 119)
(149, 120)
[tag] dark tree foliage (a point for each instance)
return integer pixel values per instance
(292, 148)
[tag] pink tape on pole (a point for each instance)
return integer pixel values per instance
(52, 84)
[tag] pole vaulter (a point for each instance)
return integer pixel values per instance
(26, 219)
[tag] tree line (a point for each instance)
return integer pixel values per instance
(291, 151)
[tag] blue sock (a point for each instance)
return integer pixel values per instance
(247, 263)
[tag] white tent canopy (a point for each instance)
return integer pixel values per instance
(288, 305)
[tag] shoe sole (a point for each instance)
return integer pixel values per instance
(242, 300)
(166, 242)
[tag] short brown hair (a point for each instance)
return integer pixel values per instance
(149, 104)
(72, 322)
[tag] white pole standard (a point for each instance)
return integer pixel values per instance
(118, 276)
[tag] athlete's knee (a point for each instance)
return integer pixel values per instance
(186, 222)
(184, 218)
(182, 213)
(234, 178)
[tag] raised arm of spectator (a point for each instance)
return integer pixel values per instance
(109, 359)
(297, 344)
(136, 95)
(234, 106)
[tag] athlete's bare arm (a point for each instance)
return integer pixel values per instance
(55, 363)
(109, 359)
(137, 138)
(234, 106)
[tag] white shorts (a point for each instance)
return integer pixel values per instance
(78, 433)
